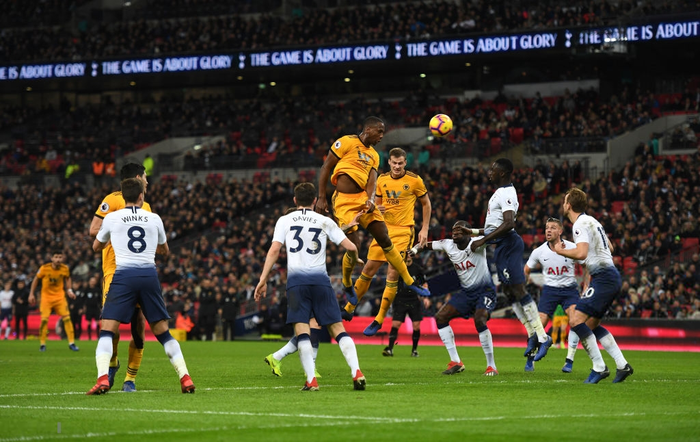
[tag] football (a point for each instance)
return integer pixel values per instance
(440, 125)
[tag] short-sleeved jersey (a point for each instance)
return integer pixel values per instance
(557, 270)
(305, 234)
(356, 160)
(112, 202)
(134, 233)
(472, 267)
(587, 229)
(53, 281)
(399, 196)
(504, 199)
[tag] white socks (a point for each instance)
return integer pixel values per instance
(487, 345)
(533, 316)
(347, 346)
(591, 346)
(306, 355)
(609, 344)
(289, 348)
(448, 338)
(172, 349)
(520, 313)
(103, 354)
(573, 343)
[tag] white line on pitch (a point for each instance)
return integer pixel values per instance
(215, 412)
(387, 384)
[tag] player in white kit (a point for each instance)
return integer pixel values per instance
(594, 248)
(476, 299)
(136, 236)
(499, 228)
(309, 291)
(560, 285)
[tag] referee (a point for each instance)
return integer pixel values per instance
(407, 303)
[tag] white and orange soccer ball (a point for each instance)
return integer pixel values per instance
(440, 125)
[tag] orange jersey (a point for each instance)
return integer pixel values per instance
(53, 282)
(356, 160)
(399, 196)
(112, 202)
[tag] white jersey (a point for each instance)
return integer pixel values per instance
(504, 199)
(134, 233)
(6, 299)
(557, 270)
(472, 267)
(588, 229)
(305, 234)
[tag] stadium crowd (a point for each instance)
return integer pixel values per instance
(262, 133)
(219, 232)
(316, 26)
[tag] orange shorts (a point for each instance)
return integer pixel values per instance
(59, 306)
(560, 321)
(401, 236)
(347, 205)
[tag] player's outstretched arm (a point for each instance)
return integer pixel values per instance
(419, 248)
(270, 259)
(355, 221)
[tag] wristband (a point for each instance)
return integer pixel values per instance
(415, 249)
(475, 231)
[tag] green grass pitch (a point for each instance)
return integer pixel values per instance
(42, 397)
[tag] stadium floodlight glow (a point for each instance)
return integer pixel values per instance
(133, 83)
(197, 146)
(262, 86)
(347, 79)
(351, 71)
(467, 64)
(273, 83)
(422, 75)
(127, 4)
(240, 77)
(29, 88)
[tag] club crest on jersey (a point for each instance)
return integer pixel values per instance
(406, 187)
(104, 207)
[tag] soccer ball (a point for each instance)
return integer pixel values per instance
(440, 125)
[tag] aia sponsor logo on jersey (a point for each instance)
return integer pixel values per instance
(466, 265)
(557, 271)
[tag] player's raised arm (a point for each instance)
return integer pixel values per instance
(328, 166)
(270, 259)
